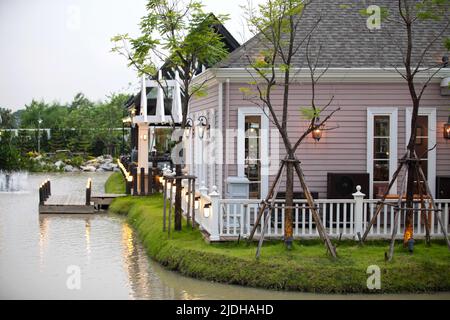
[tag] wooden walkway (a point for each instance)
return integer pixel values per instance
(74, 203)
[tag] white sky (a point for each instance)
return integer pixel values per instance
(52, 49)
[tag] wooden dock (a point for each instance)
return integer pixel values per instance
(103, 200)
(73, 204)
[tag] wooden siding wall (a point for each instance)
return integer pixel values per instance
(344, 150)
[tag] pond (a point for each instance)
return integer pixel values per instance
(37, 252)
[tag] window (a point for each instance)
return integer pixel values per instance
(381, 149)
(253, 150)
(381, 161)
(253, 154)
(426, 140)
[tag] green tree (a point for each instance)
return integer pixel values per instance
(7, 120)
(181, 34)
(9, 155)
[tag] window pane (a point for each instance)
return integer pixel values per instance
(381, 171)
(381, 148)
(253, 154)
(422, 126)
(422, 147)
(381, 126)
(379, 189)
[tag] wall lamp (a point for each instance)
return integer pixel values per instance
(203, 126)
(447, 130)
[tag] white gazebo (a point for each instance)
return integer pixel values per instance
(146, 122)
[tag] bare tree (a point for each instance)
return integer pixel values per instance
(279, 28)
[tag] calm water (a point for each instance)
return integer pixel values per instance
(35, 253)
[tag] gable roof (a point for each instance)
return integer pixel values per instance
(345, 39)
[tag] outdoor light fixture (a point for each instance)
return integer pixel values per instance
(447, 130)
(203, 126)
(197, 203)
(207, 210)
(318, 132)
(188, 128)
(144, 137)
(445, 61)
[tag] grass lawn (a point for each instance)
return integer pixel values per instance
(115, 184)
(306, 267)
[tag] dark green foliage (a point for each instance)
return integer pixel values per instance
(9, 154)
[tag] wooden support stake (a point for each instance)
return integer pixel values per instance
(193, 204)
(383, 199)
(438, 216)
(316, 217)
(170, 207)
(165, 204)
(264, 204)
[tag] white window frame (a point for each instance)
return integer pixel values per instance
(254, 111)
(393, 143)
(432, 140)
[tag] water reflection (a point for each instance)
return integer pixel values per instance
(35, 252)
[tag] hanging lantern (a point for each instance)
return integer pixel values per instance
(447, 130)
(318, 132)
(188, 128)
(197, 203)
(207, 210)
(203, 127)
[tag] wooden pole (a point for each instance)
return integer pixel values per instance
(313, 209)
(264, 204)
(398, 211)
(135, 181)
(142, 183)
(438, 216)
(150, 181)
(188, 204)
(165, 204)
(41, 195)
(193, 204)
(267, 216)
(88, 192)
(170, 206)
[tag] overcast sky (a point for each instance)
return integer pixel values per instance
(52, 49)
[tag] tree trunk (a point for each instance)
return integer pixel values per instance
(288, 217)
(409, 219)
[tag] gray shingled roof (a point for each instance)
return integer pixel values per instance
(345, 39)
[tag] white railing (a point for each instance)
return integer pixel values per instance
(385, 220)
(230, 219)
(237, 218)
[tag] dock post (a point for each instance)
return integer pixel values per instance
(142, 184)
(41, 195)
(49, 188)
(88, 192)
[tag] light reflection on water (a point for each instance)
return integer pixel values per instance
(35, 252)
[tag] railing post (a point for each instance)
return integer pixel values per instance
(203, 189)
(358, 213)
(214, 215)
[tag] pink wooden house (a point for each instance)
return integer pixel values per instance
(370, 132)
